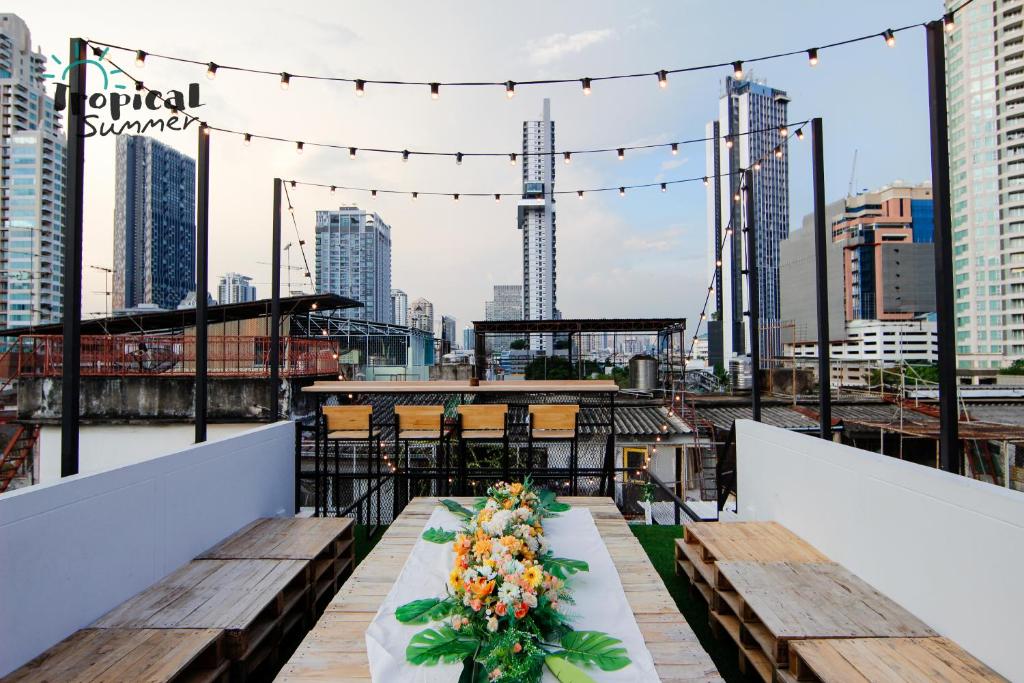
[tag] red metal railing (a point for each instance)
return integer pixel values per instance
(169, 356)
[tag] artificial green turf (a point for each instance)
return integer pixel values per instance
(364, 542)
(659, 543)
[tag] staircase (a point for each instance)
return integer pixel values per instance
(704, 447)
(18, 442)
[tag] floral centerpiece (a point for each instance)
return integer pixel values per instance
(504, 614)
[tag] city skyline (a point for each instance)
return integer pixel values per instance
(655, 238)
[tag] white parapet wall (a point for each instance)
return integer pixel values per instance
(73, 549)
(945, 547)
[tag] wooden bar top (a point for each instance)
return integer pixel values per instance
(566, 386)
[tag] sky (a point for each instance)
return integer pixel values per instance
(635, 256)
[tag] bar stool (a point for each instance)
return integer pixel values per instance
(419, 424)
(482, 423)
(349, 424)
(549, 423)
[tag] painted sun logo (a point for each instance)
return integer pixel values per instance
(98, 62)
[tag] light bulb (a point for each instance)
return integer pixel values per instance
(333, 189)
(728, 142)
(663, 79)
(757, 165)
(211, 71)
(799, 133)
(140, 58)
(586, 85)
(415, 196)
(568, 157)
(512, 158)
(812, 56)
(285, 80)
(455, 196)
(458, 158)
(664, 186)
(890, 37)
(783, 131)
(675, 148)
(360, 87)
(579, 193)
(510, 89)
(497, 197)
(373, 194)
(298, 148)
(139, 86)
(949, 22)
(435, 91)
(622, 192)
(351, 152)
(778, 152)
(737, 70)
(622, 153)
(405, 155)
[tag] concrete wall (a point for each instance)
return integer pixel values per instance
(947, 548)
(74, 549)
(796, 280)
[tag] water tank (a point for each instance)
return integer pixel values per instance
(740, 375)
(643, 372)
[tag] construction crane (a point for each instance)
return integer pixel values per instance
(853, 174)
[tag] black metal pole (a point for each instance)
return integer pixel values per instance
(950, 457)
(821, 245)
(74, 193)
(479, 354)
(275, 307)
(202, 285)
(754, 296)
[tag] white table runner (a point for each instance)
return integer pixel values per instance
(601, 604)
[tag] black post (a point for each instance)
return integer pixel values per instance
(202, 285)
(275, 307)
(821, 245)
(74, 192)
(754, 303)
(479, 354)
(950, 458)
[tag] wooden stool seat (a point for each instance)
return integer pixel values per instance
(481, 434)
(352, 435)
(422, 434)
(541, 434)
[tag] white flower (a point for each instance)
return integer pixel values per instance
(485, 571)
(508, 593)
(492, 624)
(529, 599)
(523, 513)
(496, 525)
(491, 504)
(469, 575)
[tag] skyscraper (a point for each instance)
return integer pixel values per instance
(32, 165)
(986, 140)
(421, 315)
(748, 129)
(447, 333)
(154, 224)
(353, 259)
(506, 305)
(400, 307)
(536, 219)
(235, 288)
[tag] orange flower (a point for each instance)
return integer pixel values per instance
(481, 588)
(482, 547)
(521, 610)
(501, 609)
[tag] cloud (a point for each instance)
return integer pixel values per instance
(665, 240)
(554, 47)
(673, 163)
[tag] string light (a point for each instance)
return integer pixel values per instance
(139, 86)
(405, 155)
(778, 152)
(458, 158)
(705, 181)
(435, 91)
(890, 37)
(675, 148)
(247, 140)
(286, 80)
(664, 187)
(728, 141)
(512, 158)
(298, 148)
(737, 70)
(211, 71)
(663, 78)
(799, 133)
(497, 197)
(586, 85)
(510, 89)
(812, 56)
(415, 196)
(579, 193)
(622, 153)
(622, 192)
(757, 165)
(351, 152)
(568, 157)
(373, 193)
(360, 87)
(949, 22)
(455, 196)
(140, 58)
(335, 189)
(783, 131)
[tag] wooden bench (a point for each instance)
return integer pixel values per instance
(254, 602)
(883, 660)
(151, 655)
(326, 543)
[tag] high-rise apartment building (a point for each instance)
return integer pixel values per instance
(399, 307)
(353, 259)
(447, 333)
(507, 304)
(421, 315)
(32, 164)
(235, 288)
(154, 224)
(536, 219)
(748, 129)
(985, 94)
(468, 339)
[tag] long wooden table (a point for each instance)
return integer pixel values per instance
(565, 386)
(335, 650)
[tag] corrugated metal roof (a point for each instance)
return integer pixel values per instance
(783, 417)
(636, 421)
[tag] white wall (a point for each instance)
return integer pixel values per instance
(73, 549)
(947, 548)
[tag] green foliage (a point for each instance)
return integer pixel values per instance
(594, 647)
(1015, 368)
(517, 344)
(561, 345)
(424, 611)
(438, 535)
(565, 671)
(445, 644)
(456, 509)
(563, 567)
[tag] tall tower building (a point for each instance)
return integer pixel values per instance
(235, 288)
(400, 307)
(986, 141)
(353, 259)
(536, 219)
(154, 224)
(421, 315)
(507, 304)
(750, 117)
(32, 165)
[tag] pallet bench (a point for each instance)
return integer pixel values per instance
(95, 655)
(255, 603)
(326, 543)
(883, 660)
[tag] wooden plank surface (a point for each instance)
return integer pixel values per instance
(145, 655)
(885, 660)
(335, 650)
(751, 542)
(282, 538)
(463, 387)
(818, 600)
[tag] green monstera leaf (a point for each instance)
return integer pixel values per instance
(594, 647)
(563, 567)
(424, 611)
(445, 644)
(565, 671)
(438, 535)
(456, 509)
